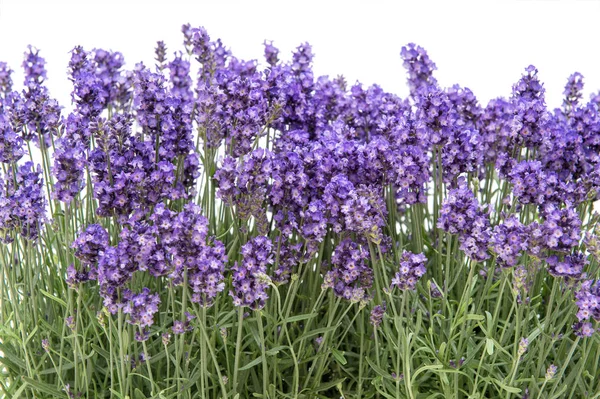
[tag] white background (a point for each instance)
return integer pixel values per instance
(483, 45)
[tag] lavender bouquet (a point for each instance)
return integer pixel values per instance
(211, 227)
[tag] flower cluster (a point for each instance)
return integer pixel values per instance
(89, 246)
(377, 314)
(561, 229)
(22, 202)
(350, 277)
(141, 309)
(249, 278)
(412, 268)
(509, 240)
(588, 301)
(11, 144)
(461, 214)
(570, 267)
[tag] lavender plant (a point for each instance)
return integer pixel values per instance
(211, 227)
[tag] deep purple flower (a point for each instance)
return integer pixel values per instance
(561, 229)
(588, 300)
(461, 154)
(271, 53)
(365, 212)
(287, 258)
(68, 169)
(39, 112)
(181, 82)
(573, 92)
(495, 125)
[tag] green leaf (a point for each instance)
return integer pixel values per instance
(339, 356)
(55, 299)
(19, 391)
(328, 385)
(488, 316)
(31, 335)
(300, 317)
(423, 369)
(505, 387)
(276, 350)
(42, 387)
(251, 364)
(489, 346)
(379, 370)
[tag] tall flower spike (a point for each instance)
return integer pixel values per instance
(461, 214)
(350, 277)
(249, 279)
(419, 68)
(5, 82)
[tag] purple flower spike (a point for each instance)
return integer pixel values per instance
(412, 268)
(350, 276)
(249, 277)
(461, 214)
(509, 240)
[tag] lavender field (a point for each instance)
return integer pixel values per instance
(212, 227)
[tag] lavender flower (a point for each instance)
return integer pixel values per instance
(495, 125)
(561, 229)
(412, 268)
(141, 309)
(248, 276)
(523, 345)
(181, 82)
(377, 314)
(571, 267)
(531, 185)
(287, 258)
(69, 164)
(365, 212)
(530, 109)
(419, 68)
(461, 154)
(40, 113)
(583, 329)
(185, 236)
(461, 214)
(22, 202)
(271, 53)
(573, 92)
(5, 81)
(588, 300)
(90, 243)
(11, 144)
(180, 327)
(550, 372)
(350, 277)
(509, 239)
